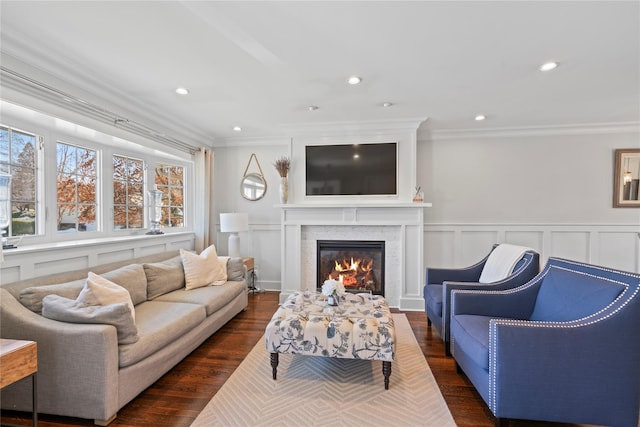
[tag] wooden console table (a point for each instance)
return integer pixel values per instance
(19, 360)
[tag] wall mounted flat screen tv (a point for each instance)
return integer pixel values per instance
(351, 169)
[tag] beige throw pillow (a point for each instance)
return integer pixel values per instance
(32, 297)
(164, 277)
(100, 291)
(71, 311)
(204, 269)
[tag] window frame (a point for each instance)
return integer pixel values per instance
(51, 130)
(98, 227)
(126, 204)
(38, 166)
(169, 187)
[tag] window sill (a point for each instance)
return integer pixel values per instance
(87, 243)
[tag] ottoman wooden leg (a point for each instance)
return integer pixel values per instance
(274, 364)
(386, 371)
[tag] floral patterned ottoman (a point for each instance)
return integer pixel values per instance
(359, 327)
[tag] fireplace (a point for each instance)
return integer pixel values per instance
(358, 264)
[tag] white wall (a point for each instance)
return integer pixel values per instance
(549, 191)
(262, 242)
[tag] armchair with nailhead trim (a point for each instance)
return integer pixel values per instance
(441, 281)
(564, 347)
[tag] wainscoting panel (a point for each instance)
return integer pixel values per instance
(530, 239)
(119, 255)
(573, 245)
(610, 245)
(10, 274)
(41, 268)
(412, 285)
(439, 247)
(39, 260)
(619, 250)
(471, 240)
(264, 247)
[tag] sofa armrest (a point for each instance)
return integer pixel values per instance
(515, 303)
(447, 290)
(77, 363)
(439, 275)
(544, 365)
(236, 270)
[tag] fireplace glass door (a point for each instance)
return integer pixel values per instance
(358, 264)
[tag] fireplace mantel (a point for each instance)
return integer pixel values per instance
(401, 225)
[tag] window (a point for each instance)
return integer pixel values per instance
(170, 180)
(18, 158)
(76, 188)
(128, 193)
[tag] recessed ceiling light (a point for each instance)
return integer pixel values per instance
(354, 80)
(480, 117)
(237, 128)
(182, 91)
(356, 156)
(387, 104)
(548, 66)
(312, 107)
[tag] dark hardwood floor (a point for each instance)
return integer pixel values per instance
(178, 397)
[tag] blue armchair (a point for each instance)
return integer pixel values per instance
(441, 281)
(564, 347)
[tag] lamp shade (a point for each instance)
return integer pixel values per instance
(234, 222)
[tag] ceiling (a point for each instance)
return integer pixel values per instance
(260, 65)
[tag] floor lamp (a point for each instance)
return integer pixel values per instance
(234, 223)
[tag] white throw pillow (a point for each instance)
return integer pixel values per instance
(204, 269)
(100, 291)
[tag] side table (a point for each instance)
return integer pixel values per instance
(19, 360)
(249, 266)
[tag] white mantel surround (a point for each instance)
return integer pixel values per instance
(400, 225)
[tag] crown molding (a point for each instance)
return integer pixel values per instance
(531, 131)
(252, 141)
(349, 128)
(62, 78)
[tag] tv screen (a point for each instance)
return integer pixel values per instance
(351, 169)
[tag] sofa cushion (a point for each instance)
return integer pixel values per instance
(159, 323)
(32, 297)
(71, 311)
(100, 291)
(434, 298)
(204, 269)
(212, 297)
(472, 334)
(132, 278)
(570, 295)
(164, 277)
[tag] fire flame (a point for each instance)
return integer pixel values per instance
(348, 271)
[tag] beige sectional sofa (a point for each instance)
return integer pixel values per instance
(83, 369)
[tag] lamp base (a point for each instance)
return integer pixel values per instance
(234, 245)
(154, 232)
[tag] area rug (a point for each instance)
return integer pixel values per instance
(319, 391)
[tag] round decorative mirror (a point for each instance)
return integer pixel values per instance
(253, 186)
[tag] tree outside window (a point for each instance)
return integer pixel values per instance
(128, 193)
(18, 158)
(170, 180)
(76, 188)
